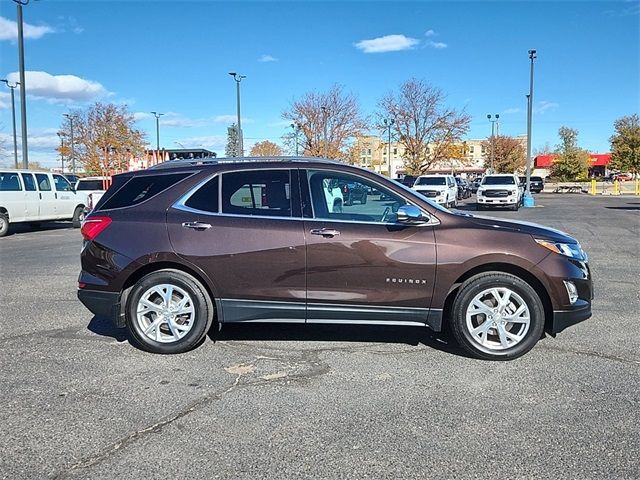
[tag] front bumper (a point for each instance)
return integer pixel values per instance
(565, 318)
(511, 200)
(103, 305)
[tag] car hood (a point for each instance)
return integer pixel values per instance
(537, 231)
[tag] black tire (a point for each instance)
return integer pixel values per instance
(480, 283)
(4, 224)
(337, 206)
(202, 316)
(364, 198)
(516, 207)
(479, 207)
(78, 217)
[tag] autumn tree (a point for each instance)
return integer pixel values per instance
(423, 124)
(265, 149)
(570, 161)
(232, 149)
(509, 154)
(104, 137)
(625, 145)
(334, 112)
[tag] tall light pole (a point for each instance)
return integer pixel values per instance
(324, 128)
(157, 115)
(61, 151)
(23, 85)
(528, 198)
(238, 78)
(387, 126)
(13, 115)
(73, 153)
(493, 138)
(296, 131)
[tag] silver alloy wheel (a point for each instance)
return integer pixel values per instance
(165, 313)
(498, 318)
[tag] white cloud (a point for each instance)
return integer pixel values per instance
(430, 33)
(511, 110)
(45, 140)
(60, 88)
(438, 45)
(137, 116)
(5, 100)
(211, 142)
(388, 43)
(267, 58)
(544, 105)
(9, 30)
(229, 119)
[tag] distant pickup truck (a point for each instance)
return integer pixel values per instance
(94, 187)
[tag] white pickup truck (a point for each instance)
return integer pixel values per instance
(94, 188)
(34, 197)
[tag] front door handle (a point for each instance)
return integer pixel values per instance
(196, 225)
(325, 232)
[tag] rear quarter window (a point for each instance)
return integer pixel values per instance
(140, 189)
(9, 182)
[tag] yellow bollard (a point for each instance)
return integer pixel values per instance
(637, 186)
(616, 187)
(593, 187)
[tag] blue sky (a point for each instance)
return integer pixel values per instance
(174, 57)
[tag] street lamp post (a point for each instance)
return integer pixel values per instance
(157, 115)
(296, 131)
(73, 153)
(387, 125)
(23, 85)
(528, 198)
(61, 151)
(13, 115)
(493, 138)
(324, 128)
(238, 78)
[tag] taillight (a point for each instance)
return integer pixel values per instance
(93, 226)
(345, 189)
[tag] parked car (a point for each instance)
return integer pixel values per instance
(35, 197)
(72, 178)
(474, 186)
(408, 180)
(622, 177)
(169, 250)
(353, 192)
(464, 189)
(536, 183)
(499, 190)
(94, 187)
(442, 189)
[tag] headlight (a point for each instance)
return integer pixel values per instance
(480, 192)
(572, 250)
(513, 192)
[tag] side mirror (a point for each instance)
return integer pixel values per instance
(410, 214)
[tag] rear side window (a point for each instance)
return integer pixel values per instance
(261, 192)
(139, 189)
(206, 198)
(9, 182)
(29, 182)
(44, 185)
(91, 185)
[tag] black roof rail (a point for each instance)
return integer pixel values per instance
(187, 162)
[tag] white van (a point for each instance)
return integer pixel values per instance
(28, 196)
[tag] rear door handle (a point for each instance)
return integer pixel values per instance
(196, 225)
(325, 232)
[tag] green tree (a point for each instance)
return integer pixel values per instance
(625, 145)
(233, 144)
(509, 155)
(570, 162)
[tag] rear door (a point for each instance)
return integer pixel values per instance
(31, 197)
(244, 230)
(363, 267)
(47, 197)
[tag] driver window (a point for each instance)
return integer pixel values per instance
(339, 196)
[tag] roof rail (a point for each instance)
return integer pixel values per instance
(186, 162)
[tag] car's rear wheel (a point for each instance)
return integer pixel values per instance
(78, 217)
(497, 316)
(4, 224)
(168, 311)
(363, 201)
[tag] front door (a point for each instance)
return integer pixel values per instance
(47, 197)
(244, 230)
(65, 196)
(362, 266)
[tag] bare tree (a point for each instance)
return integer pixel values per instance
(423, 124)
(104, 136)
(509, 154)
(265, 149)
(333, 113)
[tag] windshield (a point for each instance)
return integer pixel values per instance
(431, 181)
(498, 181)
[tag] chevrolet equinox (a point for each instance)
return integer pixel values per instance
(172, 249)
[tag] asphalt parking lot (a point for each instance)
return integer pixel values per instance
(324, 402)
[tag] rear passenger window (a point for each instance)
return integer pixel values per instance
(9, 182)
(29, 182)
(261, 192)
(44, 185)
(139, 189)
(206, 198)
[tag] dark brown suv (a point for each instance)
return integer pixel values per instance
(172, 249)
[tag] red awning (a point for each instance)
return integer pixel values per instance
(597, 160)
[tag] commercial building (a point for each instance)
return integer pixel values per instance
(599, 162)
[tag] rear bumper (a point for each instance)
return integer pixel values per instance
(565, 318)
(102, 304)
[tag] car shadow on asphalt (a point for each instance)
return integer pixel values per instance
(414, 336)
(636, 207)
(105, 328)
(22, 228)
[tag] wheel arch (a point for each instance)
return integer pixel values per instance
(512, 269)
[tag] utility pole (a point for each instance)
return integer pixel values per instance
(73, 153)
(13, 115)
(493, 137)
(324, 127)
(388, 124)
(61, 151)
(238, 78)
(528, 198)
(157, 115)
(296, 131)
(23, 85)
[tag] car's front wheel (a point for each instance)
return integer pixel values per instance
(168, 311)
(497, 316)
(4, 224)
